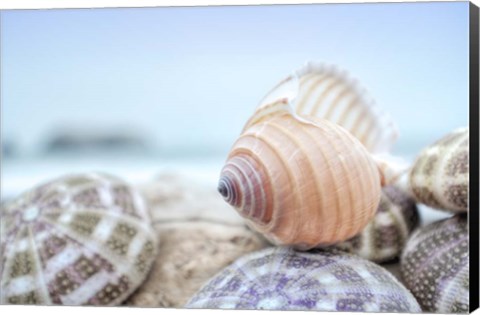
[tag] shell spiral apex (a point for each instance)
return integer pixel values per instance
(303, 172)
(78, 240)
(279, 278)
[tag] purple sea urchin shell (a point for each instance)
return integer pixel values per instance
(78, 240)
(435, 265)
(384, 237)
(280, 278)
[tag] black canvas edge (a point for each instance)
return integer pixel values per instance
(474, 159)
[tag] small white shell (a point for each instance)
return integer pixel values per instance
(78, 240)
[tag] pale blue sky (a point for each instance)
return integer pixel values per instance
(190, 77)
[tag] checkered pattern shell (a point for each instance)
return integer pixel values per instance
(78, 240)
(440, 175)
(280, 278)
(385, 236)
(435, 265)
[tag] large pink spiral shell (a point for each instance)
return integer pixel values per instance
(303, 172)
(301, 183)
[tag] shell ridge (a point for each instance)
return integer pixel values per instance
(445, 297)
(302, 102)
(394, 283)
(319, 271)
(282, 159)
(113, 277)
(430, 279)
(337, 224)
(141, 226)
(438, 253)
(318, 292)
(314, 169)
(267, 171)
(7, 265)
(7, 238)
(38, 275)
(243, 178)
(318, 102)
(103, 251)
(442, 165)
(7, 286)
(242, 200)
(291, 137)
(371, 181)
(379, 118)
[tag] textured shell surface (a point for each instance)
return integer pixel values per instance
(384, 238)
(326, 91)
(435, 265)
(280, 278)
(302, 171)
(82, 239)
(439, 177)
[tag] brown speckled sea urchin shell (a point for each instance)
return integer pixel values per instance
(384, 237)
(78, 240)
(435, 265)
(440, 175)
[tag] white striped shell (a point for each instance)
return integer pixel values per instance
(439, 177)
(384, 238)
(301, 179)
(327, 92)
(279, 278)
(435, 265)
(78, 240)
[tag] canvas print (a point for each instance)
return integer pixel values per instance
(272, 157)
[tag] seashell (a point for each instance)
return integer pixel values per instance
(439, 177)
(78, 240)
(301, 179)
(435, 265)
(385, 236)
(279, 278)
(181, 207)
